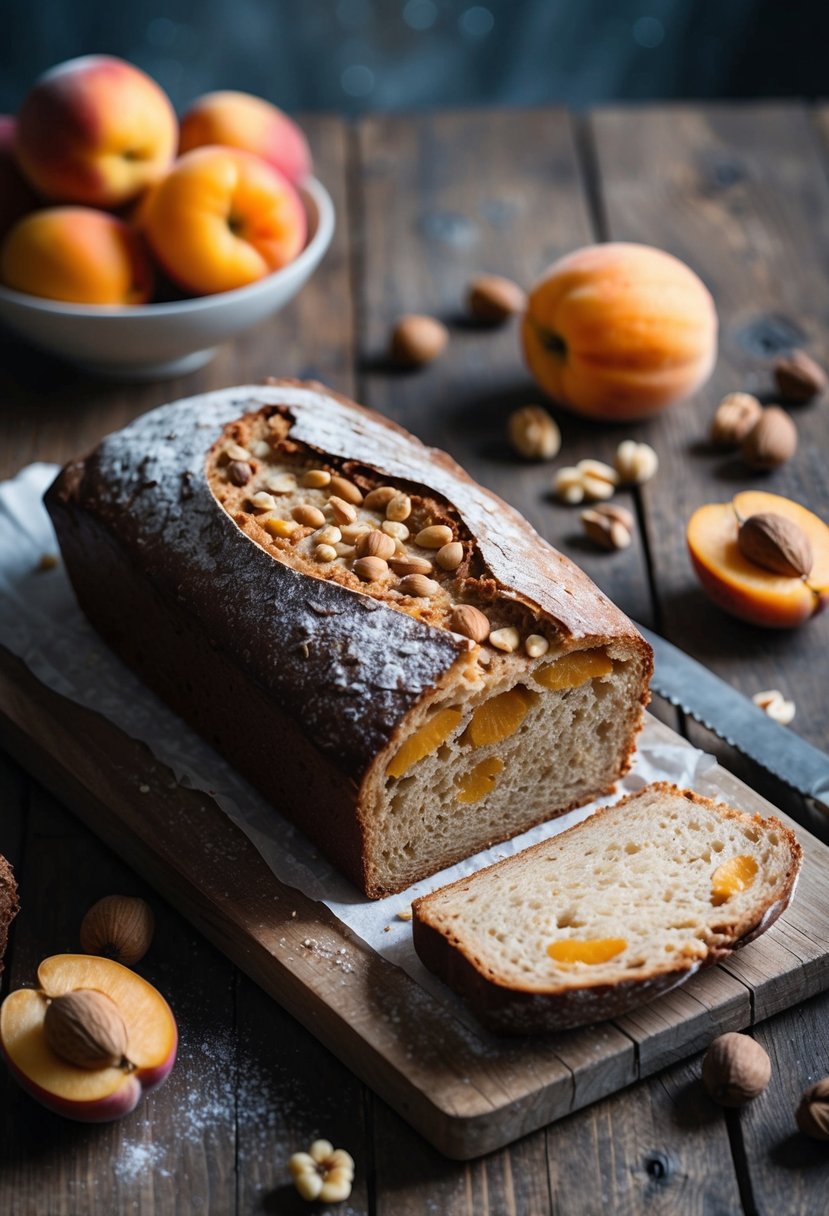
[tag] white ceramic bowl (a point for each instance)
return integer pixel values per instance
(154, 340)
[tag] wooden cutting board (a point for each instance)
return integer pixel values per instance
(467, 1092)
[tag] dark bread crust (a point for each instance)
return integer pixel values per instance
(508, 1008)
(300, 682)
(9, 905)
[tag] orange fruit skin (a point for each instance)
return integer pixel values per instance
(78, 255)
(619, 331)
(221, 219)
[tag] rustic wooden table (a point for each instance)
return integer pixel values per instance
(741, 193)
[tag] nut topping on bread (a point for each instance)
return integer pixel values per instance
(269, 610)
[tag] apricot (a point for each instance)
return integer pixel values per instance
(16, 196)
(78, 255)
(571, 670)
(591, 951)
(619, 331)
(425, 740)
(743, 588)
(95, 130)
(88, 1092)
(479, 781)
(731, 877)
(239, 120)
(221, 219)
(499, 717)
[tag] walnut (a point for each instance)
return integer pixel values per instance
(813, 1112)
(735, 1069)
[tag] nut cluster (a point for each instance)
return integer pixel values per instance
(373, 535)
(634, 464)
(324, 1172)
(767, 438)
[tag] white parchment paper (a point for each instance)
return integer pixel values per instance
(42, 624)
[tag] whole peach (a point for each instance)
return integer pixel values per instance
(221, 219)
(618, 331)
(238, 120)
(95, 130)
(78, 255)
(16, 196)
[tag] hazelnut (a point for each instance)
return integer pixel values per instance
(416, 340)
(771, 441)
(239, 472)
(493, 299)
(813, 1112)
(735, 1069)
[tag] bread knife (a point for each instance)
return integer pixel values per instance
(738, 721)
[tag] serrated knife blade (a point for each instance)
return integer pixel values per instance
(697, 691)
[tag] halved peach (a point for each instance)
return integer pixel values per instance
(743, 588)
(101, 1094)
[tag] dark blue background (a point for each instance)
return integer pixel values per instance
(351, 55)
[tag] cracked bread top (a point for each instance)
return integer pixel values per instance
(345, 657)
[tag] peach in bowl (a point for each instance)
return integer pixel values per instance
(141, 341)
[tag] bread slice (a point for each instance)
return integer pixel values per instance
(8, 905)
(610, 913)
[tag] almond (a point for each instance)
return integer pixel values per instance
(410, 565)
(771, 441)
(799, 378)
(450, 556)
(417, 339)
(491, 298)
(777, 544)
(471, 622)
(375, 544)
(419, 586)
(370, 569)
(86, 1029)
(346, 490)
(434, 537)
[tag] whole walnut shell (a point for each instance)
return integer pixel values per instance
(813, 1112)
(118, 927)
(735, 1069)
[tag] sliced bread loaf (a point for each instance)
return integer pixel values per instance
(610, 913)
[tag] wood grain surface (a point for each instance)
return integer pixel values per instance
(741, 193)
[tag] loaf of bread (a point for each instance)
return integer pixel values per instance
(608, 914)
(8, 905)
(388, 651)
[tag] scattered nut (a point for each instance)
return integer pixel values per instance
(346, 490)
(736, 414)
(610, 527)
(771, 441)
(777, 544)
(635, 462)
(813, 1112)
(735, 1069)
(434, 537)
(118, 927)
(308, 516)
(799, 378)
(378, 499)
(370, 569)
(325, 553)
(450, 556)
(491, 298)
(375, 544)
(417, 339)
(507, 639)
(86, 1029)
(533, 433)
(343, 512)
(471, 622)
(591, 479)
(775, 705)
(536, 645)
(398, 508)
(323, 1173)
(419, 586)
(239, 472)
(235, 451)
(315, 479)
